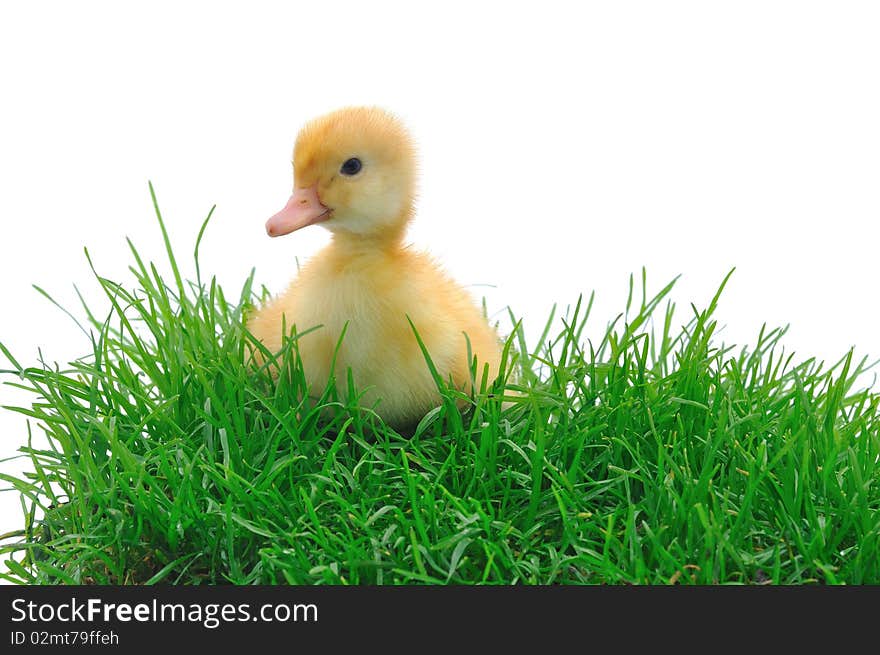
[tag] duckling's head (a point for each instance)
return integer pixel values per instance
(354, 172)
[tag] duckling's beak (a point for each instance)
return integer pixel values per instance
(304, 208)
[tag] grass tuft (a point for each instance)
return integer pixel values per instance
(653, 456)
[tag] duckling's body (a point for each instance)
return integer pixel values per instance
(368, 282)
(374, 291)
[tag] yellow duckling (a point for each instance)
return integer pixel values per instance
(354, 174)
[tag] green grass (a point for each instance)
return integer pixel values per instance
(652, 456)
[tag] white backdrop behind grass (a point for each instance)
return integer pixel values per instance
(563, 146)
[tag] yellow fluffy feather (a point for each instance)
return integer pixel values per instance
(367, 277)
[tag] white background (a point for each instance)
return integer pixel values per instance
(563, 146)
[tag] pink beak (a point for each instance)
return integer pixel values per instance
(304, 208)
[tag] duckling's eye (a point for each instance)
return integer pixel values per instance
(351, 166)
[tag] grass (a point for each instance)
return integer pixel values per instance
(652, 456)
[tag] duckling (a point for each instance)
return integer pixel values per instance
(355, 175)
